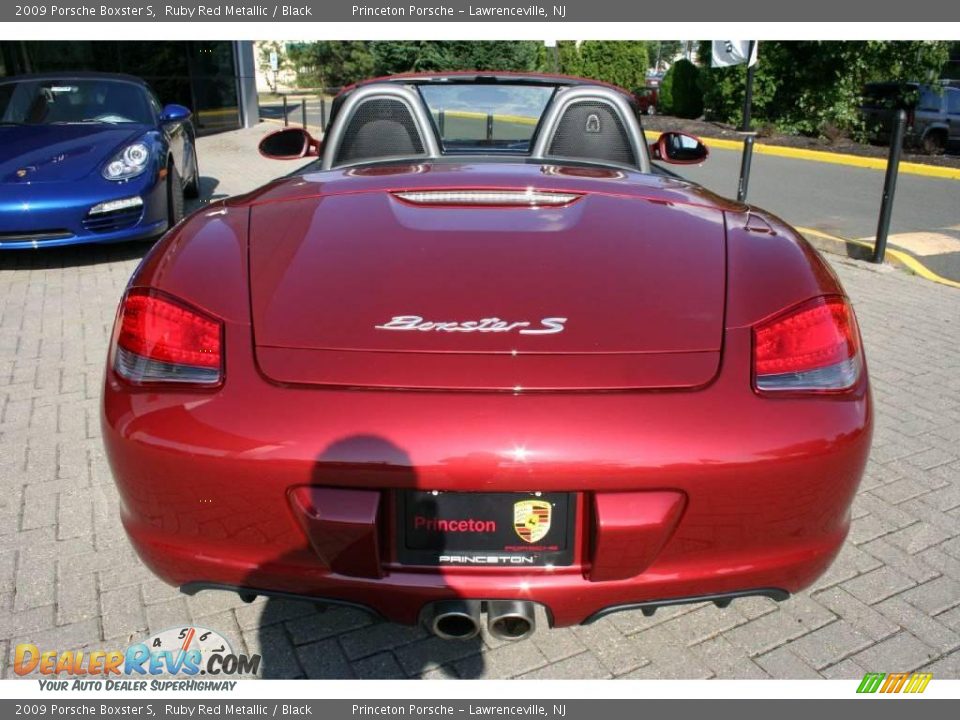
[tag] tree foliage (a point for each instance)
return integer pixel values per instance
(620, 62)
(665, 50)
(331, 64)
(808, 87)
(680, 92)
(416, 56)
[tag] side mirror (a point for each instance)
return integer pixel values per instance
(174, 114)
(289, 144)
(679, 149)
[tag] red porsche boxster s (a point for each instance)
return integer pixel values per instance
(484, 354)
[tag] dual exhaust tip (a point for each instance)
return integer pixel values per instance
(460, 619)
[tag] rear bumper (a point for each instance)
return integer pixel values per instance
(649, 608)
(206, 481)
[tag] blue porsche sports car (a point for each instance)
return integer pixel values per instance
(90, 158)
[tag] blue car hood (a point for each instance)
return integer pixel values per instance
(59, 153)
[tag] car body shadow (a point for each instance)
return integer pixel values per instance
(298, 639)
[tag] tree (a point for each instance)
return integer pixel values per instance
(951, 69)
(680, 92)
(663, 52)
(392, 57)
(569, 57)
(620, 62)
(331, 64)
(808, 87)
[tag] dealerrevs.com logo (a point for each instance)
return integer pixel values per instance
(184, 658)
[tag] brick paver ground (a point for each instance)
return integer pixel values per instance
(69, 579)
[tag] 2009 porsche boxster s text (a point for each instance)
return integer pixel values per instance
(483, 354)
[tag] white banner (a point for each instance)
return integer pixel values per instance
(733, 52)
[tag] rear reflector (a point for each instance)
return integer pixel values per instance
(160, 339)
(813, 347)
(488, 198)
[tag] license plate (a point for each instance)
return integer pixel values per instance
(498, 529)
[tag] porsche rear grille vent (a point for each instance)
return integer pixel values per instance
(111, 221)
(380, 127)
(38, 236)
(592, 129)
(487, 198)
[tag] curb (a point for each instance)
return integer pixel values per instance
(863, 251)
(908, 168)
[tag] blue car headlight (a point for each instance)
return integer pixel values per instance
(130, 162)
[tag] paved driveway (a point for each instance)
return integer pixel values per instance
(69, 580)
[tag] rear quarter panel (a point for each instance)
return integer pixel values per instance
(770, 267)
(203, 261)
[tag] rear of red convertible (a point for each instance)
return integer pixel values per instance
(428, 399)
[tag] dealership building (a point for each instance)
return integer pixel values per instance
(215, 79)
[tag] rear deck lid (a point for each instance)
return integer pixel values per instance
(606, 292)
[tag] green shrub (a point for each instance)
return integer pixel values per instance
(680, 92)
(814, 87)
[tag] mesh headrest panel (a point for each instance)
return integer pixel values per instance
(592, 130)
(380, 127)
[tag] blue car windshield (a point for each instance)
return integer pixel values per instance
(481, 118)
(70, 100)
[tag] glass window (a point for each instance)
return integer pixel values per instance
(216, 104)
(484, 118)
(930, 99)
(72, 100)
(953, 102)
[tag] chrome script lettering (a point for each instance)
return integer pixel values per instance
(547, 326)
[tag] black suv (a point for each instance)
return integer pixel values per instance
(933, 113)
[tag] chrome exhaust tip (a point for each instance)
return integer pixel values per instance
(511, 619)
(455, 619)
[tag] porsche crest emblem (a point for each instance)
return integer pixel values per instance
(22, 172)
(531, 519)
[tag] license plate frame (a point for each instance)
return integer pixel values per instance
(466, 538)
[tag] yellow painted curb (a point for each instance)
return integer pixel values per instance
(908, 168)
(903, 258)
(471, 115)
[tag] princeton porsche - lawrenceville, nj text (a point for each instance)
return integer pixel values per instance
(428, 11)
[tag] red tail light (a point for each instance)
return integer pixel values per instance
(159, 339)
(814, 348)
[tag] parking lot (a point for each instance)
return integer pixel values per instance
(69, 579)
